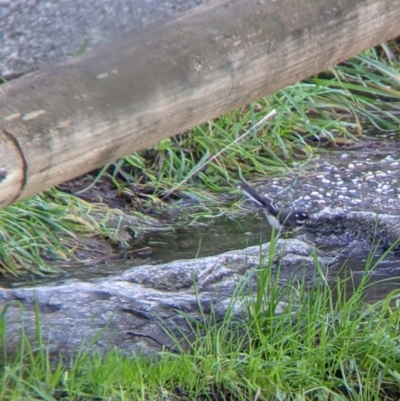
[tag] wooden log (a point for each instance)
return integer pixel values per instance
(72, 117)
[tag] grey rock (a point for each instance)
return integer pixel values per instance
(378, 229)
(133, 310)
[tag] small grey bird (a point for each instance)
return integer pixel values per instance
(277, 218)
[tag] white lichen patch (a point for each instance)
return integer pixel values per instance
(33, 115)
(12, 116)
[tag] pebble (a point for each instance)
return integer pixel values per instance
(351, 166)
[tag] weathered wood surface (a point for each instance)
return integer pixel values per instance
(75, 116)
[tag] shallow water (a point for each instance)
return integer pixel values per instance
(222, 235)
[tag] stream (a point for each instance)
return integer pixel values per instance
(223, 235)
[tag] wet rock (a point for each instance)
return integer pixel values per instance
(379, 229)
(133, 310)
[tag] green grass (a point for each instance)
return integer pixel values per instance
(31, 231)
(46, 230)
(204, 164)
(295, 343)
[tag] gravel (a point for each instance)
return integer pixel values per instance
(369, 182)
(33, 32)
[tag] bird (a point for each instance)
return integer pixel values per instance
(277, 218)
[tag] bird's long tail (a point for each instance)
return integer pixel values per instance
(257, 198)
